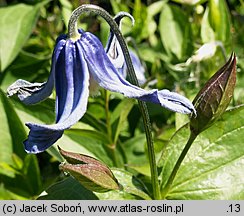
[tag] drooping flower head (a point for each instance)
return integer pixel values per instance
(75, 61)
(115, 53)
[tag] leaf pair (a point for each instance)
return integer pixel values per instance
(16, 24)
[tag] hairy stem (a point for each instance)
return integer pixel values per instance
(73, 34)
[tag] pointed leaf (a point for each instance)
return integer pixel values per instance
(213, 167)
(207, 32)
(175, 32)
(119, 116)
(32, 173)
(6, 194)
(12, 132)
(44, 113)
(190, 2)
(93, 141)
(131, 189)
(94, 122)
(67, 189)
(220, 20)
(26, 66)
(16, 23)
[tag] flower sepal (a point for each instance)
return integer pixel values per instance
(24, 89)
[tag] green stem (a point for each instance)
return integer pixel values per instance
(178, 164)
(151, 151)
(73, 34)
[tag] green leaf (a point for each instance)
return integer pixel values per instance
(207, 32)
(17, 162)
(12, 132)
(26, 174)
(8, 195)
(79, 140)
(67, 189)
(66, 11)
(216, 23)
(90, 119)
(31, 173)
(120, 114)
(213, 167)
(27, 177)
(44, 113)
(220, 20)
(135, 150)
(93, 141)
(41, 113)
(5, 138)
(16, 166)
(145, 25)
(151, 55)
(117, 6)
(26, 66)
(93, 134)
(132, 188)
(139, 13)
(16, 23)
(175, 32)
(155, 8)
(190, 2)
(151, 24)
(7, 169)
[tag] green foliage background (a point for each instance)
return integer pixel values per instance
(167, 34)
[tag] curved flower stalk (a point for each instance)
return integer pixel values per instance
(113, 49)
(78, 58)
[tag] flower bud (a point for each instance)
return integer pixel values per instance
(213, 99)
(91, 173)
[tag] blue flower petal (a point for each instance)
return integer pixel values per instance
(32, 93)
(72, 82)
(138, 67)
(109, 78)
(113, 48)
(40, 138)
(116, 56)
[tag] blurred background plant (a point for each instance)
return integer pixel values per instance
(182, 43)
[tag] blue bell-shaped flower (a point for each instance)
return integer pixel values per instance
(74, 64)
